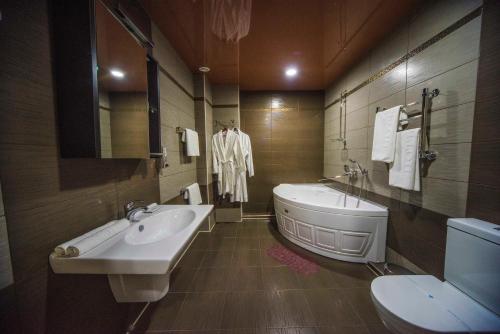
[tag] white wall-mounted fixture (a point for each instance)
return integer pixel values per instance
(139, 260)
(204, 69)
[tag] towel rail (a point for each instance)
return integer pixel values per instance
(179, 130)
(423, 114)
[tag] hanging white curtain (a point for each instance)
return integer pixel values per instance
(230, 19)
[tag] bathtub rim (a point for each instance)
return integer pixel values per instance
(383, 212)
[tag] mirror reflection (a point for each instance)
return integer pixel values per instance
(122, 82)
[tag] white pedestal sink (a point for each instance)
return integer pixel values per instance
(138, 260)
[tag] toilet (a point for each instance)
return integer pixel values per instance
(467, 301)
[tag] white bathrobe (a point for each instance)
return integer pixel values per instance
(241, 192)
(228, 161)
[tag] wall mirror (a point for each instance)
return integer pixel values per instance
(122, 85)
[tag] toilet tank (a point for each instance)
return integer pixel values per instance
(472, 262)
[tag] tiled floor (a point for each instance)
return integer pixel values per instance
(226, 283)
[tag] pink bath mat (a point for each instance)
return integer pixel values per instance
(292, 260)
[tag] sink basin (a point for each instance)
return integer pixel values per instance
(160, 226)
(138, 261)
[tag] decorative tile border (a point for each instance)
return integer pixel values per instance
(436, 38)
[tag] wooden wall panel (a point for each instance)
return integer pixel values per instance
(286, 130)
(48, 199)
(484, 186)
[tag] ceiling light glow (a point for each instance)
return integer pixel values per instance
(291, 72)
(117, 73)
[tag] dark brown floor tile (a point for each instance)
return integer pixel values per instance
(213, 242)
(253, 232)
(226, 229)
(288, 308)
(245, 310)
(279, 278)
(200, 311)
(162, 314)
(293, 330)
(331, 308)
(378, 329)
(362, 303)
(351, 275)
(247, 243)
(322, 279)
(343, 330)
(181, 279)
(244, 331)
(217, 259)
(268, 242)
(191, 259)
(245, 279)
(247, 258)
(210, 279)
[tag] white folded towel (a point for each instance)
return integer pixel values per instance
(190, 137)
(193, 194)
(384, 134)
(91, 239)
(405, 171)
(62, 249)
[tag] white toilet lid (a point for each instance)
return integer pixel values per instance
(427, 303)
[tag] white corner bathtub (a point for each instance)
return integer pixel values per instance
(313, 216)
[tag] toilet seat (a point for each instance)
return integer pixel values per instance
(424, 304)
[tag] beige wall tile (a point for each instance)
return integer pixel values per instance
(357, 119)
(442, 196)
(453, 162)
(168, 58)
(357, 75)
(171, 185)
(225, 94)
(437, 17)
(357, 138)
(177, 110)
(391, 83)
(378, 182)
(391, 49)
(456, 86)
(333, 92)
(358, 99)
(450, 125)
(458, 48)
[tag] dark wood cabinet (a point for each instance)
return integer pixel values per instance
(106, 86)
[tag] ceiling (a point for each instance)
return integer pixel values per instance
(118, 50)
(322, 38)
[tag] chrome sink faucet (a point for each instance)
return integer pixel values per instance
(131, 210)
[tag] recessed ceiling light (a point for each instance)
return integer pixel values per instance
(117, 73)
(204, 69)
(291, 72)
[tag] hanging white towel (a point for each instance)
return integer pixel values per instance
(193, 194)
(384, 134)
(405, 171)
(190, 138)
